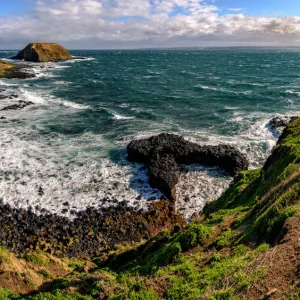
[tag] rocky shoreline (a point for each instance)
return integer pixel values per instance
(91, 233)
(96, 231)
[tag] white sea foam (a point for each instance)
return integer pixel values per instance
(205, 87)
(223, 90)
(292, 92)
(31, 96)
(237, 119)
(40, 97)
(78, 59)
(124, 105)
(62, 82)
(5, 83)
(75, 105)
(231, 107)
(119, 117)
(28, 165)
(197, 186)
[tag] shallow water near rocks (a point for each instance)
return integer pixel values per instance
(68, 151)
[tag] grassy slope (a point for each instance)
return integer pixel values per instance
(4, 66)
(237, 249)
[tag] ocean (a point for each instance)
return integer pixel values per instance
(68, 151)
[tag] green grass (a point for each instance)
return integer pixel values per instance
(39, 258)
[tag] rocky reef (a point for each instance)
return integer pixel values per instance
(165, 155)
(20, 105)
(43, 52)
(11, 71)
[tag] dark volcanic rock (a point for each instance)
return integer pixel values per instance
(17, 73)
(20, 105)
(90, 233)
(164, 174)
(166, 153)
(281, 122)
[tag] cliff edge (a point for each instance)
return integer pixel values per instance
(43, 52)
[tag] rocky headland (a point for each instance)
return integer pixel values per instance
(43, 52)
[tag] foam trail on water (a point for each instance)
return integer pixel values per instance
(197, 186)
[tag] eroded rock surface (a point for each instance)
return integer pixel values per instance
(165, 155)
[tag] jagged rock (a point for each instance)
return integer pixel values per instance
(281, 122)
(166, 153)
(20, 105)
(43, 52)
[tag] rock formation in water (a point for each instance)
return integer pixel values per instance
(166, 153)
(281, 122)
(21, 104)
(43, 52)
(12, 71)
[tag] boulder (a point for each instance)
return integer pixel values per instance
(165, 155)
(43, 52)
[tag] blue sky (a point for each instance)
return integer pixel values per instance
(14, 6)
(252, 7)
(98, 24)
(263, 7)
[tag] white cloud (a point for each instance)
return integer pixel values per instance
(235, 9)
(143, 23)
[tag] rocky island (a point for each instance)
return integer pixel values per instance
(43, 52)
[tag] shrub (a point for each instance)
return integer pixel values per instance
(195, 234)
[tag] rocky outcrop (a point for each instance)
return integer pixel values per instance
(165, 155)
(281, 122)
(12, 71)
(20, 105)
(18, 73)
(43, 52)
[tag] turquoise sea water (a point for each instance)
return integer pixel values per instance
(72, 142)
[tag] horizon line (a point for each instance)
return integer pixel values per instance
(167, 48)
